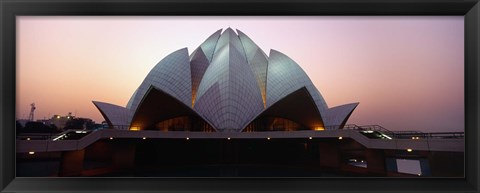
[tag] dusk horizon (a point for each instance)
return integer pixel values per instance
(407, 73)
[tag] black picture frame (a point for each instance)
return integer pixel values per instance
(470, 9)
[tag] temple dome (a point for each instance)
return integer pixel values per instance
(226, 85)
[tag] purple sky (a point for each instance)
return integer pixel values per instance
(406, 72)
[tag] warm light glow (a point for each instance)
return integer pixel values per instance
(340, 137)
(134, 128)
(188, 138)
(319, 129)
(268, 138)
(310, 138)
(111, 138)
(28, 138)
(409, 150)
(58, 117)
(31, 152)
(144, 138)
(228, 138)
(264, 97)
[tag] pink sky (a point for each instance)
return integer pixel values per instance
(406, 72)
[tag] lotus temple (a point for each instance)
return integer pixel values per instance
(227, 84)
(229, 110)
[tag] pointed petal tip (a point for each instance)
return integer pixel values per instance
(97, 102)
(239, 32)
(230, 30)
(218, 31)
(273, 51)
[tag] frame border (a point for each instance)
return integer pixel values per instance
(470, 9)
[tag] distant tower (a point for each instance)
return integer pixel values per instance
(32, 110)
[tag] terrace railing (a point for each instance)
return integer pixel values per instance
(407, 134)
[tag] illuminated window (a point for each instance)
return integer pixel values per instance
(134, 128)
